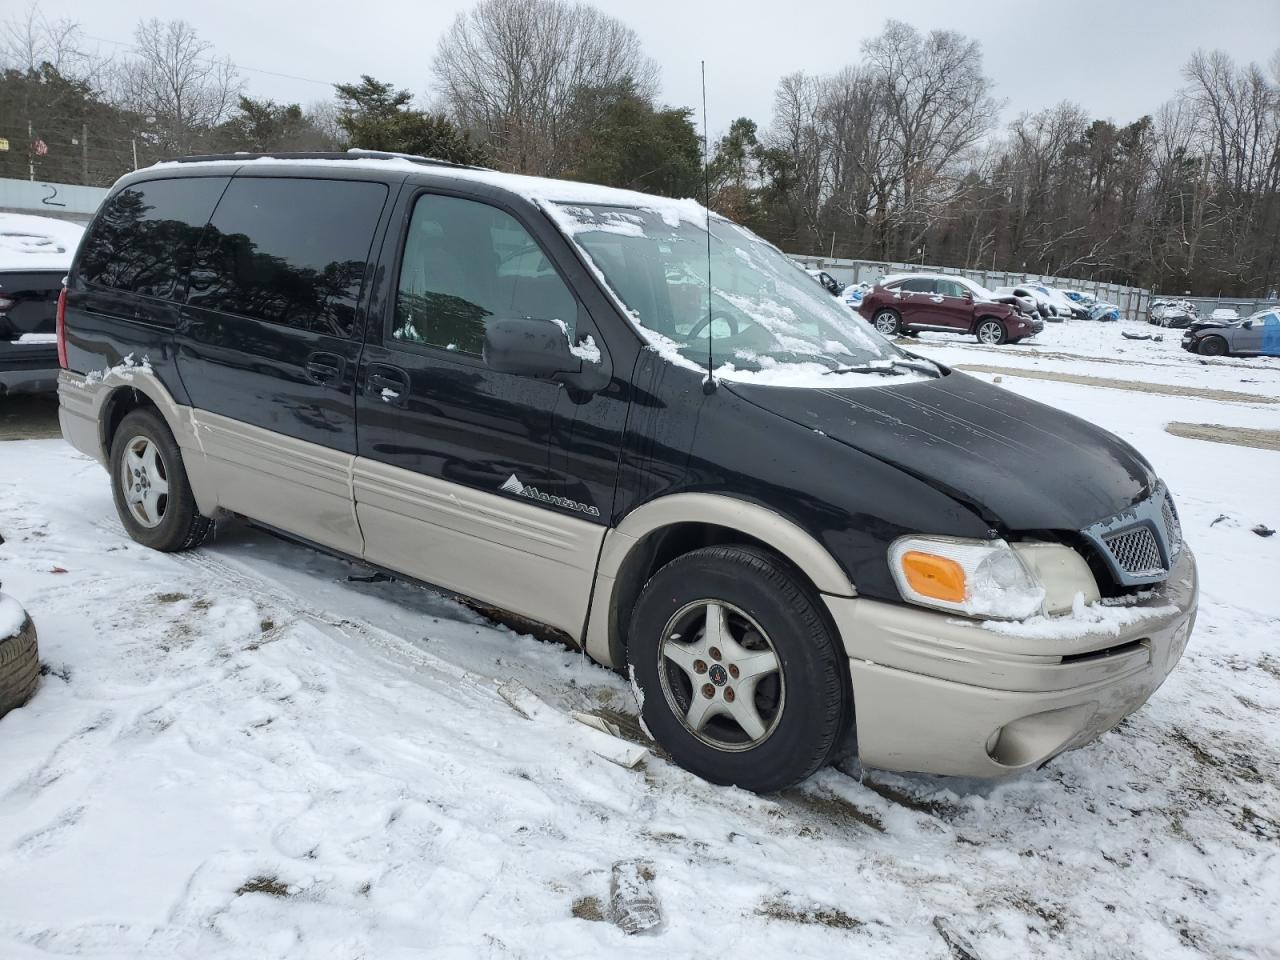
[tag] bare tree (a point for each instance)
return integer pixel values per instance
(514, 74)
(30, 42)
(939, 106)
(174, 82)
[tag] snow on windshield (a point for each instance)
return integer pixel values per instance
(766, 320)
(37, 243)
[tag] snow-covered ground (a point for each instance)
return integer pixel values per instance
(239, 753)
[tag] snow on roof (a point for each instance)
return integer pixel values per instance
(540, 190)
(37, 243)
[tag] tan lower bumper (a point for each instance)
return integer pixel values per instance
(936, 694)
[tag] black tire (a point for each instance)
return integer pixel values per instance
(887, 322)
(19, 667)
(1214, 347)
(181, 525)
(1001, 334)
(809, 701)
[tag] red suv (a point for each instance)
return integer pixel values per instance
(924, 301)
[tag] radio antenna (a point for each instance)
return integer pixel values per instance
(709, 384)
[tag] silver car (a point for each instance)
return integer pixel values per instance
(1257, 336)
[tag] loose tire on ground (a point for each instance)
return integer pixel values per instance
(19, 667)
(1214, 347)
(168, 521)
(803, 708)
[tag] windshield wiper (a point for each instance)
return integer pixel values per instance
(889, 368)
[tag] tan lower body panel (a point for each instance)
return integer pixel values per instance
(525, 559)
(299, 487)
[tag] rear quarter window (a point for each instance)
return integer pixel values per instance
(289, 251)
(143, 239)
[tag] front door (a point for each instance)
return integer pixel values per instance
(468, 478)
(268, 345)
(953, 306)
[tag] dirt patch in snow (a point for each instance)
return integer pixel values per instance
(784, 908)
(588, 908)
(1134, 386)
(268, 885)
(1217, 433)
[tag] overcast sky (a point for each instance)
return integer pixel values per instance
(1117, 58)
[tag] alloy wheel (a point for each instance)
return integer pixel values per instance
(144, 480)
(990, 332)
(886, 323)
(721, 675)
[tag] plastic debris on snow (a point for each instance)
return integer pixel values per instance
(526, 703)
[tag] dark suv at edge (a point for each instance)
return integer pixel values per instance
(497, 385)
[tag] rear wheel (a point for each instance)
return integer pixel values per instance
(1213, 347)
(149, 483)
(887, 322)
(992, 332)
(743, 681)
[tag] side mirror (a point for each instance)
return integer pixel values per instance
(1248, 324)
(530, 348)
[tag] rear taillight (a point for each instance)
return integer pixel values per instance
(61, 326)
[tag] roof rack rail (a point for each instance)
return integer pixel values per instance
(352, 154)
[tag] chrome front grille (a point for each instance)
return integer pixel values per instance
(1136, 552)
(1140, 545)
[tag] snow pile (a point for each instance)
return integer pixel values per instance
(587, 351)
(1105, 616)
(12, 616)
(37, 243)
(124, 370)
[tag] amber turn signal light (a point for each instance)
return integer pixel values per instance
(933, 576)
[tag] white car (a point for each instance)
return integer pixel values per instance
(829, 283)
(1063, 304)
(1042, 304)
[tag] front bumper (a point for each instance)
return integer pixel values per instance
(938, 694)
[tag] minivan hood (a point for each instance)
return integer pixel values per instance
(1022, 465)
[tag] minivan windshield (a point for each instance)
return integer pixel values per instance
(765, 316)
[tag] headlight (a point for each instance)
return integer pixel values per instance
(979, 578)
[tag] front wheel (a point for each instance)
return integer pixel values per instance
(887, 322)
(1213, 347)
(742, 680)
(992, 332)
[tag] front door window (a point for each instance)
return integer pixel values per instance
(466, 263)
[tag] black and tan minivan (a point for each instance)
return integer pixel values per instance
(499, 386)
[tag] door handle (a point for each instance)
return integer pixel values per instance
(325, 368)
(389, 384)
